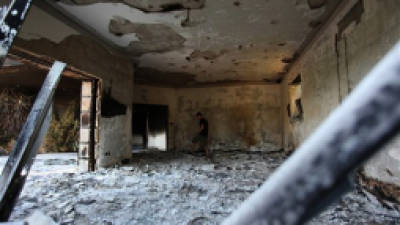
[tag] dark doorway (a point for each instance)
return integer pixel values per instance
(139, 126)
(150, 127)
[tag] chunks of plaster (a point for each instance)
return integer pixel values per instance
(148, 5)
(39, 218)
(152, 37)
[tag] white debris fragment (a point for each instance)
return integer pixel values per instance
(39, 218)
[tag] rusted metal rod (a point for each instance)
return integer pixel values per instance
(318, 172)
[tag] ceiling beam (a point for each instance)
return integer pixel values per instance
(52, 8)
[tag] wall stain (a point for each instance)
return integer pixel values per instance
(111, 107)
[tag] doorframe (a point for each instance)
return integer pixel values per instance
(86, 157)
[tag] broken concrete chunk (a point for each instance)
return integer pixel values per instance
(39, 218)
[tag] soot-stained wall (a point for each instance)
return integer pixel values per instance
(240, 117)
(116, 72)
(335, 63)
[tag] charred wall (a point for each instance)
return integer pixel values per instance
(354, 41)
(240, 116)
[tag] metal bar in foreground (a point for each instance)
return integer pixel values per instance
(318, 172)
(21, 158)
(11, 19)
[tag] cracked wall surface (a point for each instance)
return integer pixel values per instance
(334, 65)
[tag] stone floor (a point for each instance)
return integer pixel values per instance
(171, 188)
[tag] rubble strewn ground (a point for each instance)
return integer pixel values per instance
(169, 188)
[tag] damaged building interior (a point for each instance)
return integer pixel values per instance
(265, 74)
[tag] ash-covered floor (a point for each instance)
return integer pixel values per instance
(169, 188)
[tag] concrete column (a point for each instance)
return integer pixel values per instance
(88, 140)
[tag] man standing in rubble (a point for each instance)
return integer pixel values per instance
(202, 137)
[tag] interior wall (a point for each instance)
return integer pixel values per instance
(294, 116)
(44, 34)
(240, 117)
(335, 63)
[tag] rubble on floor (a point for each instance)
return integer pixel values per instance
(170, 188)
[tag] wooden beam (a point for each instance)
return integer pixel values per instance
(45, 63)
(17, 69)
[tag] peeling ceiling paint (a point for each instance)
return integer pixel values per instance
(151, 37)
(147, 5)
(214, 41)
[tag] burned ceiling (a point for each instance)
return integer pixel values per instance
(151, 37)
(147, 5)
(207, 41)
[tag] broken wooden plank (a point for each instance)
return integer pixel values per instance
(21, 158)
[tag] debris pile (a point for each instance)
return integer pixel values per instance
(169, 188)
